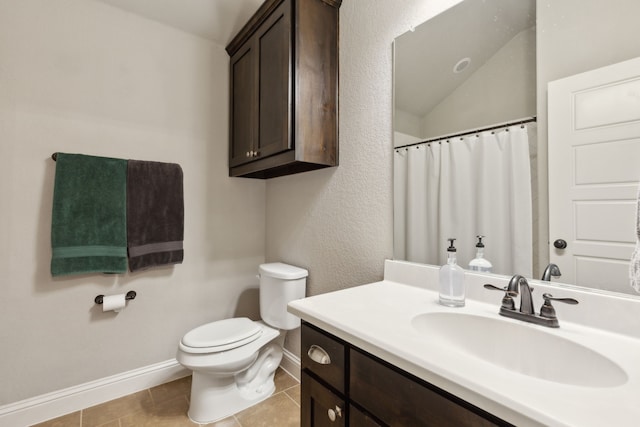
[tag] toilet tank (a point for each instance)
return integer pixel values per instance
(279, 284)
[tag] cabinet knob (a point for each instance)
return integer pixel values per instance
(334, 413)
(255, 154)
(319, 355)
(248, 154)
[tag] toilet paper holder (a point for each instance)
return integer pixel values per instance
(130, 295)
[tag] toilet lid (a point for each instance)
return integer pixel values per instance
(227, 333)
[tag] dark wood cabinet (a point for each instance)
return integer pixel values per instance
(320, 406)
(284, 90)
(374, 392)
(241, 108)
(360, 419)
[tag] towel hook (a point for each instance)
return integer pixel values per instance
(54, 156)
(130, 295)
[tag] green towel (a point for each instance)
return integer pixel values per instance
(89, 222)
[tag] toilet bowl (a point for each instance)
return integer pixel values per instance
(234, 360)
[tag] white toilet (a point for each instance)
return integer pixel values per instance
(234, 360)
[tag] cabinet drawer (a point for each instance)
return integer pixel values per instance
(324, 355)
(396, 398)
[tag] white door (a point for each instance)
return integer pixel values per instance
(594, 169)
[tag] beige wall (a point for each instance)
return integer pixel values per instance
(81, 76)
(406, 123)
(338, 222)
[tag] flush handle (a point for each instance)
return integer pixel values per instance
(319, 355)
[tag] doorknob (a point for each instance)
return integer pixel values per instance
(560, 244)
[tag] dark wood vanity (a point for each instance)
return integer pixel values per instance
(343, 385)
(284, 90)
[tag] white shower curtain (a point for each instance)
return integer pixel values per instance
(478, 184)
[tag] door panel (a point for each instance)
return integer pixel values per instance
(274, 94)
(242, 108)
(319, 406)
(594, 152)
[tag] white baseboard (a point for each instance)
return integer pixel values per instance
(290, 363)
(55, 404)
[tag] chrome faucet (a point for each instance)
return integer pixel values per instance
(551, 270)
(518, 285)
(526, 302)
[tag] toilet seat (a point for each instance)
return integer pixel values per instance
(220, 336)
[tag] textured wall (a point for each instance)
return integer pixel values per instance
(81, 76)
(338, 222)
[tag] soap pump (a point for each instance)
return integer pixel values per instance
(451, 280)
(480, 263)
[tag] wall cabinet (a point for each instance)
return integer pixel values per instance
(343, 385)
(284, 90)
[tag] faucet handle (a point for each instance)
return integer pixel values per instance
(547, 309)
(507, 300)
(494, 287)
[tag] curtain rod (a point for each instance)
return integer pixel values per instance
(469, 132)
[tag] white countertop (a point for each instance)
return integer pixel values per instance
(378, 319)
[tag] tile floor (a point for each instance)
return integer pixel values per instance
(166, 406)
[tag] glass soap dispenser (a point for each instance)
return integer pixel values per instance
(480, 263)
(451, 280)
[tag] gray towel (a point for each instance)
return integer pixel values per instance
(155, 214)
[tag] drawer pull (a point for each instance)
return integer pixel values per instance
(334, 413)
(319, 355)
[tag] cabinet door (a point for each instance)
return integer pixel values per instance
(242, 108)
(399, 400)
(358, 418)
(274, 52)
(319, 406)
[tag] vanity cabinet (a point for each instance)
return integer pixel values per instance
(283, 93)
(371, 392)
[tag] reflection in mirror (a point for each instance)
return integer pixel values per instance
(448, 81)
(476, 180)
(469, 67)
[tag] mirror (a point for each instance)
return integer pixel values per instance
(517, 47)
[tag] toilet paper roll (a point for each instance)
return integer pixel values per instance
(114, 302)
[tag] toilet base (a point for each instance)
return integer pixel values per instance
(215, 397)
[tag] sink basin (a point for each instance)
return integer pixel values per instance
(521, 348)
